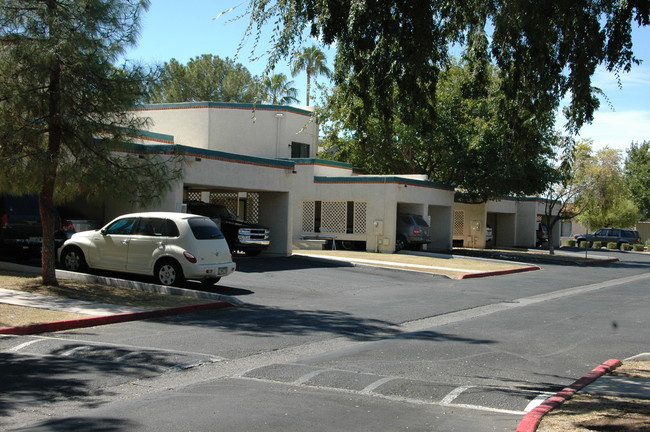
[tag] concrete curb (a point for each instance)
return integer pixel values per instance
(499, 272)
(110, 319)
(353, 263)
(601, 261)
(532, 419)
(112, 281)
(561, 258)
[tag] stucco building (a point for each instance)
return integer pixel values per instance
(261, 161)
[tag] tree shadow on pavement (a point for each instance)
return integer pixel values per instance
(269, 322)
(82, 424)
(28, 380)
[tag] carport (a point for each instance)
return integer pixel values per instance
(501, 216)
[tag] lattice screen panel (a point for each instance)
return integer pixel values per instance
(252, 207)
(359, 226)
(308, 216)
(194, 196)
(230, 200)
(459, 222)
(334, 216)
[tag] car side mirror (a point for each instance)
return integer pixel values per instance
(103, 231)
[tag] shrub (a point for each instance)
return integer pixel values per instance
(584, 244)
(571, 243)
(611, 245)
(638, 248)
(626, 246)
(597, 245)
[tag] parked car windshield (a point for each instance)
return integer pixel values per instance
(204, 229)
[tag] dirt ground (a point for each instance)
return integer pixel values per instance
(585, 412)
(12, 316)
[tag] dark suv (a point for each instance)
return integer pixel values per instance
(21, 231)
(412, 231)
(611, 235)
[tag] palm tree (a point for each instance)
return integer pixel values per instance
(311, 60)
(278, 90)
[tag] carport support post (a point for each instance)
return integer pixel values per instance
(275, 213)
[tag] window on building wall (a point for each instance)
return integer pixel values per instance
(299, 150)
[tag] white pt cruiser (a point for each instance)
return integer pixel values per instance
(170, 246)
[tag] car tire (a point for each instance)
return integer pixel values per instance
(169, 272)
(73, 259)
(345, 244)
(400, 243)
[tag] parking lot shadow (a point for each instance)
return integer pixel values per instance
(270, 321)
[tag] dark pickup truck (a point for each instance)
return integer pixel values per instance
(241, 235)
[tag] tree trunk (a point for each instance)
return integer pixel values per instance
(308, 86)
(51, 162)
(551, 246)
(48, 221)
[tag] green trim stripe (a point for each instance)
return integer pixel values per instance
(323, 162)
(154, 136)
(384, 180)
(204, 153)
(223, 105)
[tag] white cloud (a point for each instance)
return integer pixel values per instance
(617, 129)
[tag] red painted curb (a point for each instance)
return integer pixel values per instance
(498, 272)
(532, 418)
(110, 319)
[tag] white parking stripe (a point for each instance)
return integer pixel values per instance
(454, 394)
(74, 350)
(537, 401)
(376, 384)
(303, 379)
(23, 345)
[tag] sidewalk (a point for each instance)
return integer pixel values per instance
(21, 298)
(100, 313)
(452, 266)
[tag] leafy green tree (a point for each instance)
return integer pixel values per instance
(389, 50)
(607, 201)
(64, 107)
(637, 176)
(203, 78)
(312, 60)
(469, 146)
(565, 189)
(277, 89)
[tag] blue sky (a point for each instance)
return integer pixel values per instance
(183, 30)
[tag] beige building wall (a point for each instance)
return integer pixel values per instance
(254, 144)
(258, 130)
(469, 224)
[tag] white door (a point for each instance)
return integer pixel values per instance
(146, 244)
(112, 245)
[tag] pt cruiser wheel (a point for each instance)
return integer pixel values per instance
(73, 259)
(169, 273)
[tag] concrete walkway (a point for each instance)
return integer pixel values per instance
(21, 298)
